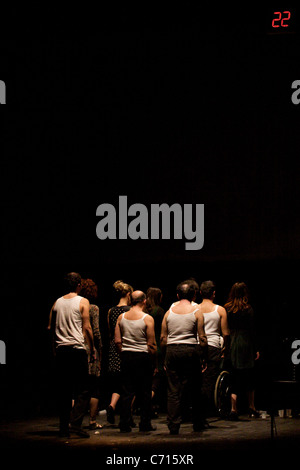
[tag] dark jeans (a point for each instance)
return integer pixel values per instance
(183, 368)
(209, 378)
(72, 377)
(136, 377)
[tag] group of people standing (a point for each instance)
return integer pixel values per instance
(183, 346)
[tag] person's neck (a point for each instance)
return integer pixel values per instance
(137, 309)
(70, 295)
(184, 301)
(208, 301)
(122, 303)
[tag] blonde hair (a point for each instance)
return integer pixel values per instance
(122, 288)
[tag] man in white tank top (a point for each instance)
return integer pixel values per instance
(183, 335)
(70, 322)
(217, 332)
(135, 339)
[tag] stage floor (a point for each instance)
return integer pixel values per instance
(22, 439)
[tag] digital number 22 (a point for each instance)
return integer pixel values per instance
(281, 19)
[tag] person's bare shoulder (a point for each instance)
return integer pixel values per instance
(149, 320)
(84, 303)
(221, 311)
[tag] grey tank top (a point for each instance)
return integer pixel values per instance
(182, 328)
(134, 337)
(68, 328)
(212, 326)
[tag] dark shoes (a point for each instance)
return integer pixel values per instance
(142, 427)
(132, 424)
(253, 413)
(125, 429)
(233, 416)
(79, 432)
(148, 428)
(66, 433)
(110, 414)
(201, 425)
(95, 426)
(174, 432)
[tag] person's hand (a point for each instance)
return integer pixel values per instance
(224, 352)
(93, 356)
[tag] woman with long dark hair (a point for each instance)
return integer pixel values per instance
(153, 307)
(243, 347)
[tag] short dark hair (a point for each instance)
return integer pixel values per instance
(137, 298)
(186, 290)
(71, 281)
(192, 281)
(207, 289)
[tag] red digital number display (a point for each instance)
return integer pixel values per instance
(281, 19)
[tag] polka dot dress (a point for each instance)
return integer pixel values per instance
(114, 361)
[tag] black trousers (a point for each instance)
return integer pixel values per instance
(183, 368)
(136, 378)
(72, 383)
(209, 378)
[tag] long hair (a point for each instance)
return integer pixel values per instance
(238, 298)
(153, 297)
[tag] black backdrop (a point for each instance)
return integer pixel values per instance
(180, 105)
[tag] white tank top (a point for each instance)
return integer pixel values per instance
(68, 328)
(134, 337)
(212, 327)
(182, 328)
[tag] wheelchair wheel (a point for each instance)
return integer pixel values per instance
(222, 394)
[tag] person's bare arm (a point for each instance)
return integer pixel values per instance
(151, 342)
(202, 339)
(118, 336)
(164, 331)
(200, 329)
(224, 330)
(86, 325)
(51, 327)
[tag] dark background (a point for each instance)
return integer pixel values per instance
(184, 104)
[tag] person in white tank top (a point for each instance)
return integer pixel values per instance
(182, 335)
(69, 322)
(191, 282)
(135, 339)
(217, 332)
